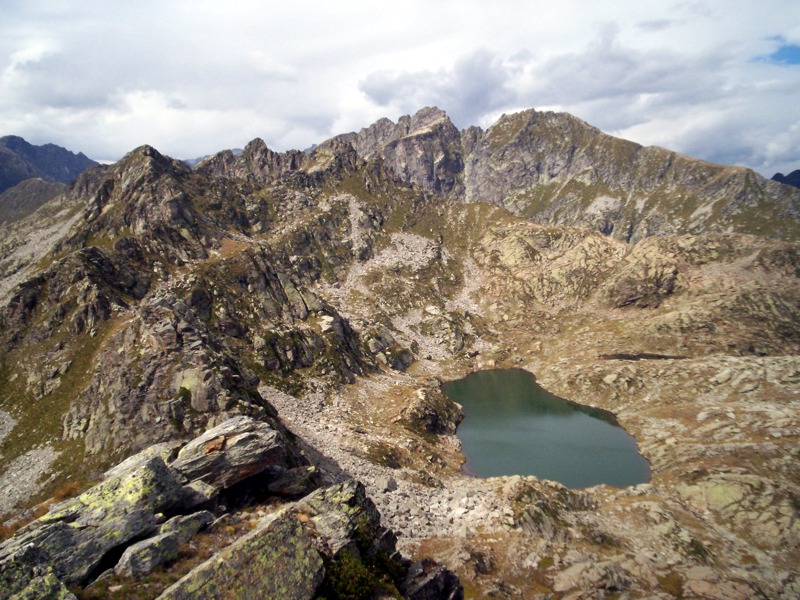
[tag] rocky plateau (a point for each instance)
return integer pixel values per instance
(226, 378)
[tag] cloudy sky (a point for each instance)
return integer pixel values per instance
(714, 79)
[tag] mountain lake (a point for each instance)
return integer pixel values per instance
(513, 426)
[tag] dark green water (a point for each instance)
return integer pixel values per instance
(513, 426)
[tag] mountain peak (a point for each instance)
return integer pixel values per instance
(792, 179)
(147, 162)
(145, 151)
(14, 142)
(427, 117)
(256, 145)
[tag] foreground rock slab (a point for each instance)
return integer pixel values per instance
(142, 557)
(330, 543)
(231, 452)
(277, 560)
(128, 505)
(78, 533)
(29, 575)
(330, 539)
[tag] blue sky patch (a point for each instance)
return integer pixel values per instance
(786, 54)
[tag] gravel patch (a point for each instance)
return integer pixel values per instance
(463, 505)
(36, 242)
(22, 478)
(7, 423)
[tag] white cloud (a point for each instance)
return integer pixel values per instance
(194, 77)
(475, 85)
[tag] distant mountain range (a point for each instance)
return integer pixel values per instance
(792, 178)
(20, 160)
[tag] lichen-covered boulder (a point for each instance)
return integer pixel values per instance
(286, 556)
(186, 526)
(231, 452)
(142, 557)
(278, 560)
(343, 513)
(78, 533)
(128, 504)
(166, 450)
(28, 574)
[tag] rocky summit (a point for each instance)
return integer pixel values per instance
(224, 381)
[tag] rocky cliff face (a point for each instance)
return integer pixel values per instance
(554, 168)
(320, 297)
(423, 149)
(167, 346)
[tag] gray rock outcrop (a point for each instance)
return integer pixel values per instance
(235, 450)
(142, 557)
(319, 543)
(129, 504)
(28, 574)
(78, 533)
(322, 540)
